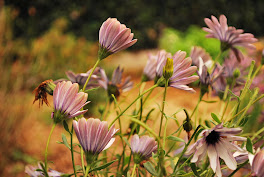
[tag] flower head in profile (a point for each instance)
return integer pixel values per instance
(197, 53)
(94, 136)
(81, 78)
(46, 87)
(217, 142)
(114, 37)
(257, 164)
(182, 70)
(142, 148)
(68, 101)
(229, 36)
(32, 171)
(149, 70)
(117, 84)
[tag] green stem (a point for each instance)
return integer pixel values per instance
(72, 154)
(185, 148)
(163, 105)
(82, 160)
(164, 133)
(87, 170)
(46, 151)
(147, 128)
(151, 88)
(196, 107)
(240, 166)
(87, 80)
(134, 169)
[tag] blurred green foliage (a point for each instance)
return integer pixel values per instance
(145, 18)
(173, 40)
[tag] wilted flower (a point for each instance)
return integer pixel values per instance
(142, 148)
(94, 136)
(114, 37)
(182, 70)
(199, 52)
(258, 164)
(81, 78)
(32, 171)
(149, 70)
(67, 101)
(218, 143)
(117, 85)
(229, 36)
(41, 92)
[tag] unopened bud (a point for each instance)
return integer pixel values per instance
(187, 126)
(236, 73)
(168, 69)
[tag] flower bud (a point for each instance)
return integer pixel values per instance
(168, 69)
(236, 73)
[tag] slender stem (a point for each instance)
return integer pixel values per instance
(197, 105)
(240, 166)
(82, 161)
(164, 133)
(147, 128)
(163, 105)
(134, 169)
(87, 170)
(185, 148)
(47, 146)
(151, 88)
(87, 80)
(72, 154)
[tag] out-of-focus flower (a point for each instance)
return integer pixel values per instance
(81, 78)
(41, 92)
(117, 85)
(32, 171)
(67, 101)
(207, 79)
(142, 148)
(94, 136)
(218, 143)
(114, 37)
(182, 70)
(199, 52)
(258, 164)
(149, 70)
(229, 36)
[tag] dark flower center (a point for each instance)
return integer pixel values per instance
(213, 138)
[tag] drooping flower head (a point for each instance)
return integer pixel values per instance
(207, 79)
(258, 164)
(94, 136)
(142, 148)
(150, 68)
(81, 78)
(32, 171)
(114, 37)
(197, 53)
(182, 70)
(68, 101)
(229, 36)
(117, 85)
(217, 142)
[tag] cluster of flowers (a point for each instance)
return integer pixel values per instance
(166, 70)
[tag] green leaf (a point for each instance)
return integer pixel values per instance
(65, 125)
(64, 140)
(215, 118)
(103, 166)
(126, 141)
(209, 101)
(194, 169)
(149, 167)
(174, 138)
(249, 146)
(148, 115)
